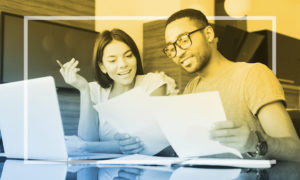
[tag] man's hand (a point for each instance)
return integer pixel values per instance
(129, 144)
(238, 137)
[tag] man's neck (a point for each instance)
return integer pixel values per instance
(216, 65)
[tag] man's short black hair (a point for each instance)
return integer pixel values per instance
(192, 14)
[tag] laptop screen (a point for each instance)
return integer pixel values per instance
(31, 124)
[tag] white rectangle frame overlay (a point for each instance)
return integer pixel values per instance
(114, 18)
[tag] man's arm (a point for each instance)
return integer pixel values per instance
(281, 136)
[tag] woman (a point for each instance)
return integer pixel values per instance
(118, 68)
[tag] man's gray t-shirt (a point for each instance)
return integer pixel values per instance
(244, 89)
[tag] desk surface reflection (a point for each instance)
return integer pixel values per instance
(17, 169)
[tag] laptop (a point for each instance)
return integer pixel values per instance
(31, 124)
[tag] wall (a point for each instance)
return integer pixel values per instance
(206, 6)
(52, 8)
(287, 14)
(132, 8)
(68, 99)
(142, 8)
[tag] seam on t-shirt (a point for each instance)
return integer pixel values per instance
(245, 96)
(267, 100)
(93, 87)
(195, 80)
(270, 100)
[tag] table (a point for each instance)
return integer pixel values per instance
(16, 169)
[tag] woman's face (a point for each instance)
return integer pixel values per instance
(119, 62)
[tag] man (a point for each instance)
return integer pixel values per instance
(253, 99)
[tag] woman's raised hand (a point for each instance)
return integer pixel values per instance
(69, 71)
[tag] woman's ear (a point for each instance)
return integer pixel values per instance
(102, 68)
(210, 34)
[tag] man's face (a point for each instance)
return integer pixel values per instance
(196, 57)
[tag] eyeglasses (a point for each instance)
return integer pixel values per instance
(184, 41)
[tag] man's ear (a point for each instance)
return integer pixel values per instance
(215, 42)
(102, 68)
(210, 34)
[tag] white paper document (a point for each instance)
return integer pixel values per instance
(186, 121)
(131, 113)
(144, 160)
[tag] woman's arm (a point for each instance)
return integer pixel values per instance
(88, 173)
(102, 146)
(88, 126)
(88, 121)
(122, 143)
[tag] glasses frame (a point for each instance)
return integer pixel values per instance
(176, 44)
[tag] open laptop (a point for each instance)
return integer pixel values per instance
(31, 124)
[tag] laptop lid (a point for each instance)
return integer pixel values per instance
(30, 121)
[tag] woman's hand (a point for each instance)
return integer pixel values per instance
(75, 144)
(69, 72)
(129, 144)
(129, 174)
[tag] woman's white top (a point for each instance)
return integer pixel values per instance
(148, 82)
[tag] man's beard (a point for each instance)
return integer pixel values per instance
(204, 61)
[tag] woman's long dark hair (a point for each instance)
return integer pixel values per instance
(102, 41)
